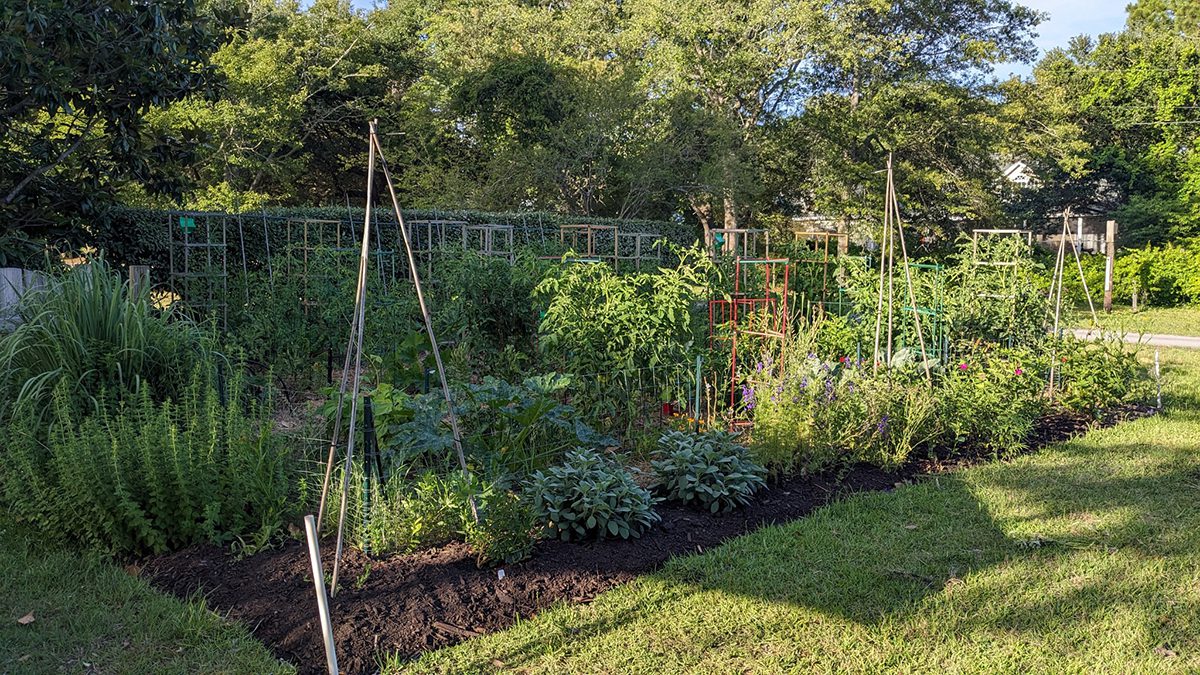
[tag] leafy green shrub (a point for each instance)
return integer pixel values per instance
(603, 326)
(506, 531)
(409, 514)
(837, 336)
(1163, 276)
(506, 428)
(709, 470)
(145, 477)
(992, 398)
(589, 495)
(630, 338)
(290, 322)
(486, 300)
(1096, 375)
(90, 330)
(1003, 303)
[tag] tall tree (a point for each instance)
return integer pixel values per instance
(75, 81)
(293, 90)
(1129, 100)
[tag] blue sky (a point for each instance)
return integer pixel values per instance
(1069, 18)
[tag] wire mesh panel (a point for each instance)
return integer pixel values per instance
(755, 312)
(598, 242)
(198, 262)
(741, 242)
(426, 237)
(929, 287)
(983, 254)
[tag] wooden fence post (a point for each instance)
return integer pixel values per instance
(139, 278)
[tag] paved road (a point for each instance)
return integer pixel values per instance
(1186, 341)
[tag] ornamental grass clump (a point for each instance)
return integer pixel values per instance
(708, 470)
(93, 332)
(589, 495)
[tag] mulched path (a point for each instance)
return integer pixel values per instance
(409, 604)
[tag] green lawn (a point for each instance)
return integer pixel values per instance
(1080, 558)
(1158, 320)
(89, 616)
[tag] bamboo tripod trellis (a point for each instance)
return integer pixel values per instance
(1056, 287)
(892, 226)
(354, 353)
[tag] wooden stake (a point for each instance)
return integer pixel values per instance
(912, 296)
(437, 355)
(361, 312)
(1056, 291)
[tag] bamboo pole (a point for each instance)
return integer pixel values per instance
(912, 296)
(1083, 280)
(314, 560)
(361, 313)
(351, 341)
(1056, 291)
(891, 276)
(879, 303)
(437, 355)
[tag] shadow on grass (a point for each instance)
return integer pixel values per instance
(879, 557)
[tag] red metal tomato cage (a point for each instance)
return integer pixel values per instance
(758, 306)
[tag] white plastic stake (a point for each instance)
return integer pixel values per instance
(314, 557)
(1158, 379)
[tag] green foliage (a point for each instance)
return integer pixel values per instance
(506, 532)
(1112, 127)
(507, 429)
(709, 470)
(1163, 276)
(289, 84)
(433, 509)
(1097, 375)
(618, 332)
(142, 477)
(75, 81)
(404, 514)
(991, 397)
(599, 321)
(838, 336)
(91, 332)
(995, 291)
(811, 414)
(515, 429)
(590, 495)
(487, 301)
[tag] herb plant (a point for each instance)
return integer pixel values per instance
(590, 495)
(709, 470)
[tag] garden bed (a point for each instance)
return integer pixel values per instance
(408, 604)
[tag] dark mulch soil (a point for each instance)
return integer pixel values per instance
(409, 604)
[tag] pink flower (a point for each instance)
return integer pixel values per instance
(963, 366)
(1020, 372)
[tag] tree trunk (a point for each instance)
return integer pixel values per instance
(731, 221)
(703, 210)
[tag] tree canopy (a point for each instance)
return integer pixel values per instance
(718, 112)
